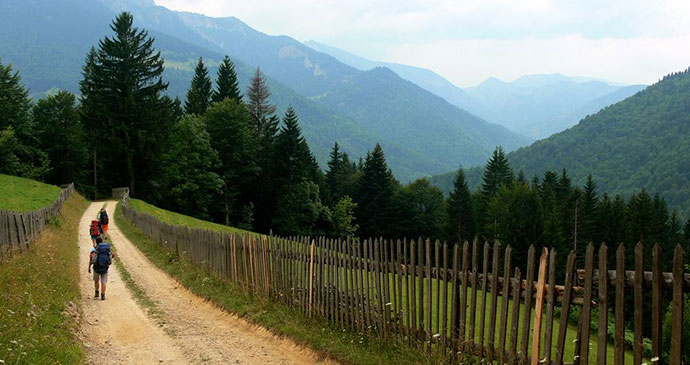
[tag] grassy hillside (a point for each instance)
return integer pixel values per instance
(179, 219)
(641, 142)
(39, 299)
(21, 195)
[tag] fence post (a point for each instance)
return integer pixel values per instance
(539, 306)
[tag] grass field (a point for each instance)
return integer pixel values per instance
(179, 219)
(39, 294)
(22, 195)
(344, 346)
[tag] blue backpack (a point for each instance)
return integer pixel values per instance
(103, 258)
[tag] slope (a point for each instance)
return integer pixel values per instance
(22, 195)
(339, 87)
(641, 142)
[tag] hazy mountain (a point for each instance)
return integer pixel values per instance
(641, 142)
(423, 77)
(540, 105)
(421, 133)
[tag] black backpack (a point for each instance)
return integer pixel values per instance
(103, 258)
(104, 217)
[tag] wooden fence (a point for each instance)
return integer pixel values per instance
(18, 229)
(445, 297)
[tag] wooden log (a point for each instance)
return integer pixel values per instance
(619, 343)
(603, 312)
(563, 324)
(638, 303)
(482, 316)
(677, 308)
(539, 304)
(494, 300)
(586, 313)
(550, 304)
(527, 316)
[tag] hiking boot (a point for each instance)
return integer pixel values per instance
(102, 296)
(96, 295)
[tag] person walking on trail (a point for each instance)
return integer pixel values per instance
(94, 232)
(100, 258)
(103, 222)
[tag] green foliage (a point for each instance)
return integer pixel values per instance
(62, 137)
(375, 197)
(188, 169)
(227, 123)
(420, 206)
(496, 173)
(122, 102)
(300, 212)
(262, 113)
(341, 177)
(14, 102)
(343, 217)
(640, 142)
(227, 86)
(459, 223)
(666, 333)
(199, 92)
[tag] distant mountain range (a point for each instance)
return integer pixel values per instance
(534, 105)
(640, 142)
(422, 133)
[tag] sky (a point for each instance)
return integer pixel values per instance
(467, 41)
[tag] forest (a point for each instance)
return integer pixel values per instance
(224, 155)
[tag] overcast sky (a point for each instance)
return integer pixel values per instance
(467, 41)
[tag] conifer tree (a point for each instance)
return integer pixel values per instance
(199, 92)
(459, 221)
(61, 135)
(227, 85)
(123, 101)
(375, 197)
(261, 111)
(588, 216)
(15, 103)
(497, 172)
(293, 161)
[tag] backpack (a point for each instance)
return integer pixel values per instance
(103, 258)
(93, 230)
(104, 217)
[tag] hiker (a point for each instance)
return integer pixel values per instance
(103, 222)
(94, 232)
(100, 258)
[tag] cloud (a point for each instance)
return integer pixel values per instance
(626, 41)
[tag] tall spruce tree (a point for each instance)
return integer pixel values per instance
(497, 172)
(62, 137)
(293, 161)
(122, 94)
(227, 86)
(375, 197)
(199, 92)
(459, 222)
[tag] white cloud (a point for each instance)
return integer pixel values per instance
(466, 41)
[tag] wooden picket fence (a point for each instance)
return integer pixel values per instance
(442, 297)
(18, 229)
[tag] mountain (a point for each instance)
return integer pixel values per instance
(421, 133)
(536, 106)
(423, 77)
(640, 142)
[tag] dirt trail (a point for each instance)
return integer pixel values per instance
(189, 330)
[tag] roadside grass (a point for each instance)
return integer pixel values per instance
(22, 195)
(179, 219)
(40, 295)
(324, 338)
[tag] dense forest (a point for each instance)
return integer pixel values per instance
(225, 155)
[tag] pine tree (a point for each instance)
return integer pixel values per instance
(62, 137)
(419, 211)
(261, 111)
(122, 98)
(22, 155)
(459, 221)
(228, 125)
(587, 212)
(375, 204)
(199, 92)
(497, 172)
(293, 161)
(226, 82)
